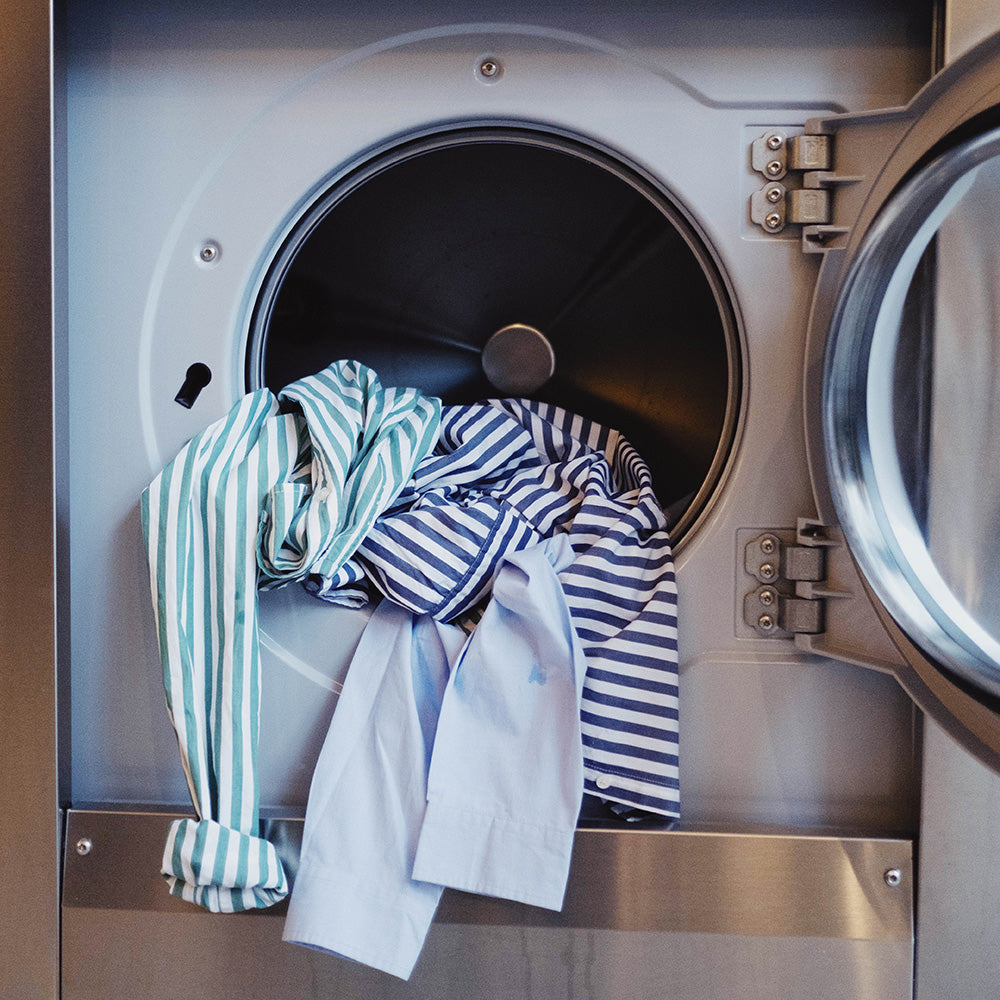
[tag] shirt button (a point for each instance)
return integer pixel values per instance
(603, 781)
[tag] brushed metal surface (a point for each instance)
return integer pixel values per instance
(114, 955)
(649, 913)
(29, 823)
(658, 880)
(959, 943)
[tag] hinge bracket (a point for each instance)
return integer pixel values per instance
(791, 595)
(780, 202)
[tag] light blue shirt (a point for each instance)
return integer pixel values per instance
(450, 761)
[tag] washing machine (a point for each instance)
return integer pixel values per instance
(755, 239)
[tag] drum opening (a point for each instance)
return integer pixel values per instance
(492, 262)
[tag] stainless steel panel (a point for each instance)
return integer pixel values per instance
(959, 946)
(118, 956)
(29, 827)
(967, 22)
(686, 913)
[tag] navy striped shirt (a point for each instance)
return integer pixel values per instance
(503, 475)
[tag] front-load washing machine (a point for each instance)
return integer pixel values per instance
(700, 227)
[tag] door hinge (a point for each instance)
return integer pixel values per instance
(795, 168)
(791, 592)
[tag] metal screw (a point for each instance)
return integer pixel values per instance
(774, 168)
(767, 571)
(773, 195)
(772, 221)
(489, 68)
(766, 622)
(766, 597)
(893, 876)
(774, 142)
(84, 846)
(767, 546)
(209, 252)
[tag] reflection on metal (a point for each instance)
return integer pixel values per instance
(692, 913)
(518, 360)
(658, 880)
(31, 525)
(866, 470)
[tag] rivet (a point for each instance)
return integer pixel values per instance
(84, 846)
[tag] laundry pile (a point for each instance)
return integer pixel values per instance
(522, 649)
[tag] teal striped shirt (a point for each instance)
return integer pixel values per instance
(261, 497)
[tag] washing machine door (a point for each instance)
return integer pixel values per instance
(907, 406)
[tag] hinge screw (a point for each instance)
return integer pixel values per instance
(766, 597)
(767, 546)
(774, 168)
(893, 876)
(773, 195)
(84, 846)
(774, 142)
(766, 622)
(772, 221)
(767, 571)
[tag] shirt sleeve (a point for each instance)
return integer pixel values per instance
(200, 520)
(506, 775)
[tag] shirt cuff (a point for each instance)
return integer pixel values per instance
(494, 856)
(220, 868)
(342, 916)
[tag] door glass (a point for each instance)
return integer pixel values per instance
(912, 409)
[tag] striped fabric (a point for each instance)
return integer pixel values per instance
(504, 475)
(270, 496)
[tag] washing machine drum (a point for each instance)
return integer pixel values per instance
(486, 263)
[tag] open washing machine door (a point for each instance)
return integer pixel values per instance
(903, 395)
